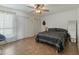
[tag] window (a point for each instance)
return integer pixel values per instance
(7, 24)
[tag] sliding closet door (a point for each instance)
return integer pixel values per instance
(72, 29)
(8, 26)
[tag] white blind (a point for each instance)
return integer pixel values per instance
(7, 24)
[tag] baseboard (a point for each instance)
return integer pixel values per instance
(28, 37)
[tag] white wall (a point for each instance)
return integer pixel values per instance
(25, 23)
(60, 20)
(37, 24)
(78, 26)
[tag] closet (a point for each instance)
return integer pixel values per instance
(72, 29)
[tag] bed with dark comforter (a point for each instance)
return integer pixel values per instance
(54, 36)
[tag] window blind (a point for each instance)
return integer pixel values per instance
(7, 24)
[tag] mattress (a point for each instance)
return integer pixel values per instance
(56, 38)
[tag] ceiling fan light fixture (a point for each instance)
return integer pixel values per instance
(39, 8)
(38, 11)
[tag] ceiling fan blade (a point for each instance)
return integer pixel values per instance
(29, 6)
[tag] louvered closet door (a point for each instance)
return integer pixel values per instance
(72, 30)
(8, 26)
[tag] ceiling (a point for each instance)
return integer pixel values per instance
(54, 8)
(61, 7)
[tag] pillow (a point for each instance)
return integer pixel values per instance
(51, 29)
(61, 30)
(57, 29)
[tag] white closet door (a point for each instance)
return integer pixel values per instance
(72, 30)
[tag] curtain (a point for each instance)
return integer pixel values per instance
(7, 24)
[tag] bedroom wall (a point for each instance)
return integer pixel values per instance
(78, 27)
(60, 20)
(25, 23)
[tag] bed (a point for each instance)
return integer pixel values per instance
(54, 36)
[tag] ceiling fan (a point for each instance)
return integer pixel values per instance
(39, 8)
